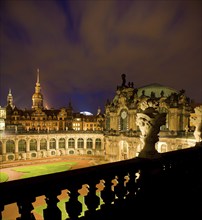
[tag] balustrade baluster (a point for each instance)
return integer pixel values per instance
(52, 211)
(108, 197)
(120, 192)
(1, 209)
(25, 207)
(133, 185)
(92, 200)
(132, 188)
(73, 206)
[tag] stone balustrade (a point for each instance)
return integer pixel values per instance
(170, 185)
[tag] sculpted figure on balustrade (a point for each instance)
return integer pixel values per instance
(149, 122)
(196, 120)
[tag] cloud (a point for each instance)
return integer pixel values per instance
(86, 46)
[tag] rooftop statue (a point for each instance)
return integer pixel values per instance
(123, 76)
(149, 122)
(196, 120)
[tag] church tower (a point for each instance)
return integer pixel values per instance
(37, 98)
(10, 99)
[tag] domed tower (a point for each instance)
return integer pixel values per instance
(37, 98)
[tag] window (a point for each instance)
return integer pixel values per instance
(71, 152)
(22, 146)
(89, 152)
(89, 143)
(43, 144)
(98, 144)
(71, 143)
(10, 146)
(61, 143)
(52, 143)
(80, 143)
(33, 145)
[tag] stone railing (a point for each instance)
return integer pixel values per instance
(170, 185)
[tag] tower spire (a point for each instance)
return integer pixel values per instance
(38, 75)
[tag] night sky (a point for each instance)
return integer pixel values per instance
(83, 47)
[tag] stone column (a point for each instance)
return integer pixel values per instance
(85, 141)
(28, 156)
(149, 122)
(76, 142)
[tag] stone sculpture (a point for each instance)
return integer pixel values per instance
(149, 122)
(196, 120)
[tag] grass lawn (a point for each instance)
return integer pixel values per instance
(3, 177)
(43, 169)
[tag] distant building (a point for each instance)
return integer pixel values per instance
(42, 119)
(2, 118)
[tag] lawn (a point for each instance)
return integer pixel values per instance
(3, 177)
(43, 169)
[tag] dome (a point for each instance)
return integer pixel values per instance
(86, 113)
(157, 89)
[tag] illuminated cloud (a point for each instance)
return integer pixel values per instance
(82, 48)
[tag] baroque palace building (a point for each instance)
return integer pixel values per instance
(40, 132)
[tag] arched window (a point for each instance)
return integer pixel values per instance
(98, 144)
(61, 143)
(52, 143)
(71, 143)
(80, 143)
(43, 144)
(10, 146)
(22, 146)
(1, 150)
(123, 121)
(33, 145)
(89, 143)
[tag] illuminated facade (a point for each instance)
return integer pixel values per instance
(38, 145)
(122, 133)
